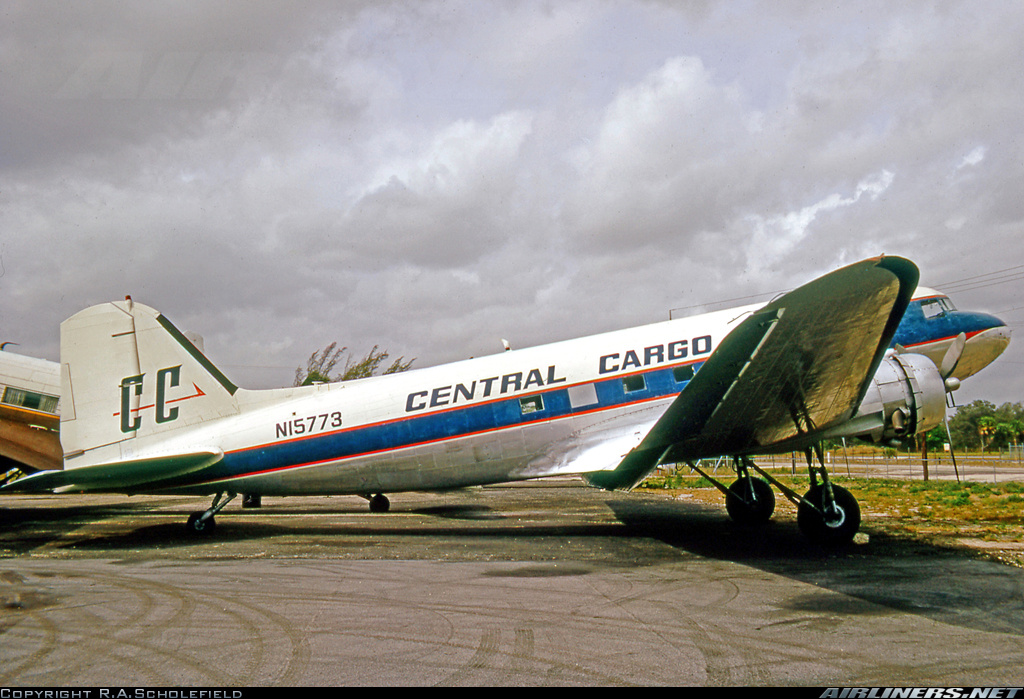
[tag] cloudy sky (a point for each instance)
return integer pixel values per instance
(434, 176)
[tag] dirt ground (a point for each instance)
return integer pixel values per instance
(993, 531)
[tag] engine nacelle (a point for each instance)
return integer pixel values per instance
(906, 397)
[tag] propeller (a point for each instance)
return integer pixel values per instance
(950, 360)
(952, 356)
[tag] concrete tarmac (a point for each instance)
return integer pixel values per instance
(547, 583)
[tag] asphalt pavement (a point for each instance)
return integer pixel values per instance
(548, 583)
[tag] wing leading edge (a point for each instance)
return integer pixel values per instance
(783, 376)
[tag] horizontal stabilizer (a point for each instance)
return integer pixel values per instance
(117, 476)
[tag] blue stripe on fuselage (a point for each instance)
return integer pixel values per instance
(436, 426)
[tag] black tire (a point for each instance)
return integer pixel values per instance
(750, 501)
(379, 503)
(198, 526)
(252, 501)
(832, 529)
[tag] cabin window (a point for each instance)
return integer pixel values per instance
(682, 373)
(631, 384)
(30, 399)
(582, 395)
(531, 404)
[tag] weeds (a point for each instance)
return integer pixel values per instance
(946, 510)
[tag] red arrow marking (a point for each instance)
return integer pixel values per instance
(199, 392)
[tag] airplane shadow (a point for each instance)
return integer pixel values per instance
(943, 584)
(24, 529)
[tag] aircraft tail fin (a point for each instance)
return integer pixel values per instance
(128, 375)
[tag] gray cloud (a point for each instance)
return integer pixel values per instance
(434, 176)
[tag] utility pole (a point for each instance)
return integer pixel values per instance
(924, 453)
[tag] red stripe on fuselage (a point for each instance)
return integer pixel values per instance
(951, 337)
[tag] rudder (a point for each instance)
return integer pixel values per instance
(128, 375)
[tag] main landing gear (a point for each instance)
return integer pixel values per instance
(202, 523)
(378, 502)
(749, 500)
(827, 514)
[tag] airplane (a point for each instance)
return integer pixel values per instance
(143, 410)
(29, 414)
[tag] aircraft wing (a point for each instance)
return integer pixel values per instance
(30, 438)
(13, 413)
(118, 476)
(783, 376)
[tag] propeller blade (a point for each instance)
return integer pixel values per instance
(952, 357)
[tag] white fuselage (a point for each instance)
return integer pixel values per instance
(568, 407)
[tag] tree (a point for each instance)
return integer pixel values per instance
(981, 424)
(1010, 431)
(963, 425)
(986, 430)
(937, 438)
(321, 364)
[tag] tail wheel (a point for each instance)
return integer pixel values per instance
(750, 501)
(379, 503)
(829, 523)
(199, 526)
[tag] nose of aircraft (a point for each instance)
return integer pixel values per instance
(987, 338)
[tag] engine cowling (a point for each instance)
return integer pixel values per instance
(907, 396)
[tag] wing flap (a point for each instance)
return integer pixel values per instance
(118, 476)
(785, 375)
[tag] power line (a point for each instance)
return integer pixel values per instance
(715, 303)
(980, 281)
(984, 285)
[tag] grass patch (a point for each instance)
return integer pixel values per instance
(944, 512)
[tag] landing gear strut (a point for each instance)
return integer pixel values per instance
(202, 523)
(749, 500)
(828, 514)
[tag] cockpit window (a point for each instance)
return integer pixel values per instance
(936, 306)
(931, 308)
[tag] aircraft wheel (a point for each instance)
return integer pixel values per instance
(252, 500)
(829, 526)
(197, 525)
(750, 501)
(379, 503)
